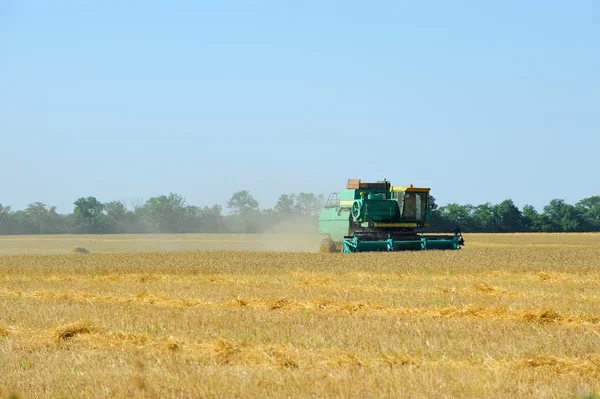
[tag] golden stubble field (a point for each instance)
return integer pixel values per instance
(507, 316)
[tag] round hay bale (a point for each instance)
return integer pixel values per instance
(79, 250)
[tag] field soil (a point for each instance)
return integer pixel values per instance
(513, 315)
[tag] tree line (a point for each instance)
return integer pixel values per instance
(506, 217)
(164, 214)
(297, 212)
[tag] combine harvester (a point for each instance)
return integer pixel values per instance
(370, 217)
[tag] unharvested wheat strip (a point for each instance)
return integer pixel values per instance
(417, 277)
(347, 282)
(467, 311)
(532, 245)
(322, 279)
(546, 278)
(86, 297)
(477, 288)
(546, 316)
(227, 352)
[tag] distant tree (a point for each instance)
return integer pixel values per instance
(42, 220)
(117, 216)
(245, 213)
(137, 205)
(484, 218)
(89, 217)
(4, 211)
(309, 204)
(137, 217)
(18, 223)
(193, 220)
(433, 206)
(302, 204)
(211, 219)
(56, 222)
(285, 204)
(531, 219)
(4, 219)
(166, 213)
(508, 217)
(589, 208)
(242, 203)
(437, 221)
(458, 215)
(560, 216)
(88, 208)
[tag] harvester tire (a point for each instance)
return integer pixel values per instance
(327, 245)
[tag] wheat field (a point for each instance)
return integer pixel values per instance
(514, 315)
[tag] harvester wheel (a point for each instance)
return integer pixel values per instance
(327, 245)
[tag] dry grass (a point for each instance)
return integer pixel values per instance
(68, 331)
(508, 316)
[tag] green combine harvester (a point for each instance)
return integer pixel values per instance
(370, 217)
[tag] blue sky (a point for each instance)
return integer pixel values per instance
(481, 101)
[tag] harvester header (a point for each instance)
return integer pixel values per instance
(380, 217)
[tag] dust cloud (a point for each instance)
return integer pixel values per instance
(296, 234)
(291, 235)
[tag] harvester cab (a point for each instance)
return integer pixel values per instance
(380, 217)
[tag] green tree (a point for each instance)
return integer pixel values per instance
(433, 206)
(508, 217)
(484, 218)
(560, 216)
(309, 204)
(18, 223)
(242, 203)
(43, 220)
(302, 204)
(245, 213)
(4, 219)
(285, 205)
(438, 223)
(531, 219)
(589, 208)
(211, 219)
(117, 216)
(165, 213)
(192, 219)
(458, 215)
(89, 216)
